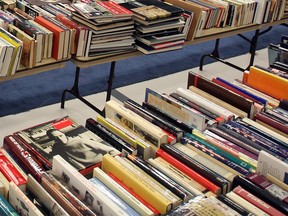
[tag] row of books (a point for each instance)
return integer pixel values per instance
(189, 143)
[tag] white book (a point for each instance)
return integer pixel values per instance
(98, 201)
(268, 164)
(178, 176)
(44, 197)
(3, 49)
(205, 103)
(121, 192)
(143, 128)
(260, 13)
(245, 204)
(22, 204)
(203, 160)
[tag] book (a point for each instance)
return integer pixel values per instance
(58, 37)
(259, 79)
(274, 190)
(43, 197)
(143, 148)
(233, 205)
(76, 144)
(160, 203)
(86, 191)
(268, 164)
(175, 109)
(6, 208)
(121, 192)
(256, 201)
(114, 140)
(28, 57)
(21, 202)
(143, 128)
(165, 125)
(212, 176)
(245, 204)
(18, 46)
(112, 196)
(70, 202)
(160, 177)
(151, 50)
(177, 175)
(260, 193)
(221, 93)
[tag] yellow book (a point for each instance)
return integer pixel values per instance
(111, 165)
(18, 44)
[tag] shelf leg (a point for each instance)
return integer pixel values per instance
(214, 54)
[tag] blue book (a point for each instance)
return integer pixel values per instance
(113, 197)
(6, 208)
(249, 94)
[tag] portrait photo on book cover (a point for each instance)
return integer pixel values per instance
(76, 144)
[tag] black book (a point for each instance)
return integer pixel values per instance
(284, 104)
(185, 127)
(110, 137)
(259, 192)
(170, 184)
(165, 125)
(234, 205)
(223, 183)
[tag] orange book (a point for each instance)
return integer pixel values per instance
(266, 82)
(58, 37)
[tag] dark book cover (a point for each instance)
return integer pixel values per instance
(233, 205)
(198, 167)
(75, 143)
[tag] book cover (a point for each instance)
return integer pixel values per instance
(6, 208)
(234, 205)
(58, 37)
(95, 199)
(160, 177)
(21, 203)
(157, 201)
(132, 121)
(76, 144)
(121, 192)
(42, 196)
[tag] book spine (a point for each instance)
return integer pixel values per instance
(131, 191)
(160, 177)
(256, 201)
(257, 139)
(6, 208)
(221, 152)
(121, 192)
(153, 118)
(111, 165)
(233, 205)
(22, 155)
(109, 137)
(190, 172)
(214, 155)
(185, 127)
(61, 194)
(271, 122)
(259, 192)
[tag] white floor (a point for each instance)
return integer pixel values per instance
(80, 112)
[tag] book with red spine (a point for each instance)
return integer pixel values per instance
(58, 36)
(257, 201)
(11, 173)
(188, 171)
(155, 211)
(22, 155)
(115, 8)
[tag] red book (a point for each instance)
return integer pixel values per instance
(188, 171)
(10, 172)
(256, 201)
(271, 188)
(131, 191)
(262, 117)
(58, 37)
(115, 8)
(20, 152)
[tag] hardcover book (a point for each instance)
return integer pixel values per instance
(76, 144)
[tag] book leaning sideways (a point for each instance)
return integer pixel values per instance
(76, 144)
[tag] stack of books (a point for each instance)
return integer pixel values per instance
(111, 27)
(159, 26)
